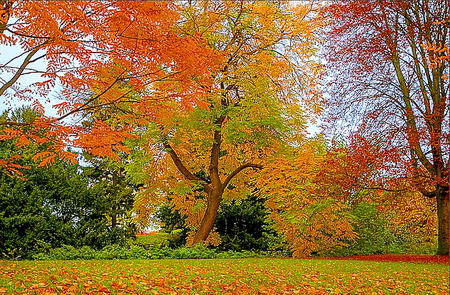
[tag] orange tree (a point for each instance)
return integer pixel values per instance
(388, 60)
(199, 156)
(326, 195)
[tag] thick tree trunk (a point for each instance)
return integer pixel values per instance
(208, 219)
(442, 200)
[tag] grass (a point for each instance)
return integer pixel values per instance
(222, 276)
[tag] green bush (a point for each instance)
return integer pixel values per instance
(197, 252)
(67, 252)
(155, 240)
(374, 234)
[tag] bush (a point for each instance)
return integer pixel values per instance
(56, 206)
(67, 252)
(375, 236)
(197, 252)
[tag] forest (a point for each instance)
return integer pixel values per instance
(195, 129)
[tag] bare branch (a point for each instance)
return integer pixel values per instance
(25, 63)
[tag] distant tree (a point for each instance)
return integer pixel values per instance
(117, 190)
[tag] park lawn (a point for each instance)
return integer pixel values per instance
(222, 276)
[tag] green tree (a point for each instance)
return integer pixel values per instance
(50, 206)
(117, 190)
(244, 225)
(54, 206)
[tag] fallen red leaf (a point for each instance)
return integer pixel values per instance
(440, 259)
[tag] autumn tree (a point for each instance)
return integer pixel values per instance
(200, 156)
(309, 210)
(388, 66)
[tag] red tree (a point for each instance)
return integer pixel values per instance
(386, 80)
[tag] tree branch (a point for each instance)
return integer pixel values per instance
(21, 69)
(239, 169)
(179, 164)
(14, 124)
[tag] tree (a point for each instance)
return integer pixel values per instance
(53, 206)
(117, 191)
(413, 220)
(382, 58)
(244, 225)
(310, 212)
(49, 207)
(254, 104)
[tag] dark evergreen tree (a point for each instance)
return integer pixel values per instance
(52, 206)
(242, 225)
(118, 191)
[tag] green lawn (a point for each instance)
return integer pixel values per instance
(222, 276)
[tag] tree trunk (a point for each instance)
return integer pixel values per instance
(208, 219)
(442, 200)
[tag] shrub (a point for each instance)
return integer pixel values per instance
(67, 252)
(375, 236)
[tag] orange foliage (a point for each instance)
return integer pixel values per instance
(305, 209)
(102, 53)
(411, 216)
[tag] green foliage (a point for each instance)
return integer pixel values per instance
(155, 240)
(243, 225)
(50, 206)
(197, 252)
(117, 190)
(427, 247)
(54, 206)
(173, 223)
(132, 251)
(375, 236)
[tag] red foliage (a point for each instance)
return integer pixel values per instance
(441, 259)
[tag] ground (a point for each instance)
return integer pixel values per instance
(420, 275)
